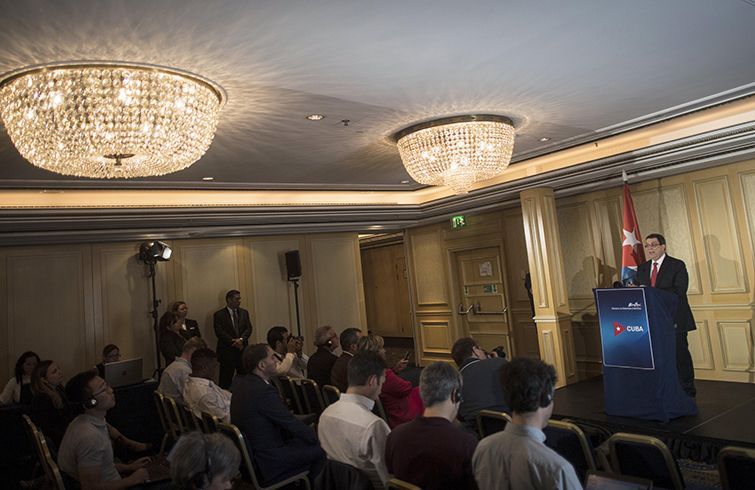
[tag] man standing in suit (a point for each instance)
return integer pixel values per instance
(670, 274)
(232, 328)
(281, 445)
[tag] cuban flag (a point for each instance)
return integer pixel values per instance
(632, 253)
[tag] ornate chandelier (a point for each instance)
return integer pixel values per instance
(457, 151)
(109, 119)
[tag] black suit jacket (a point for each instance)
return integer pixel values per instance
(274, 436)
(226, 332)
(192, 329)
(320, 364)
(672, 277)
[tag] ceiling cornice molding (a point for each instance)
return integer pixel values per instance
(24, 226)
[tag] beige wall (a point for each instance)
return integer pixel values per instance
(67, 302)
(708, 219)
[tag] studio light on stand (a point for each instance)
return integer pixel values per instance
(151, 253)
(293, 274)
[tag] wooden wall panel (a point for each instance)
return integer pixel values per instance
(700, 346)
(430, 269)
(723, 253)
(747, 183)
(579, 258)
(338, 288)
(435, 336)
(609, 223)
(736, 345)
(49, 305)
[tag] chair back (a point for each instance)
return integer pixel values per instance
(568, 440)
(330, 394)
(396, 484)
(249, 471)
(210, 423)
(290, 392)
(190, 420)
(173, 417)
(52, 472)
(312, 396)
(644, 457)
(736, 466)
(491, 421)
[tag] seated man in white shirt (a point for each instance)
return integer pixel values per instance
(175, 375)
(288, 350)
(348, 430)
(201, 394)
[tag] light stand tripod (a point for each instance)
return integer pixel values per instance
(296, 301)
(151, 253)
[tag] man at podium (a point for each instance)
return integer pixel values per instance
(670, 274)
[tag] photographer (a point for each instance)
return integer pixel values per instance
(480, 371)
(288, 350)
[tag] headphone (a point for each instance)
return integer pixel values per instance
(546, 397)
(456, 392)
(203, 478)
(90, 403)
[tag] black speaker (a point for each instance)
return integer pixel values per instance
(293, 264)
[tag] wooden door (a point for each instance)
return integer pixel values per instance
(483, 305)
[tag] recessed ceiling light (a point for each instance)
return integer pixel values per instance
(208, 178)
(404, 181)
(316, 117)
(544, 139)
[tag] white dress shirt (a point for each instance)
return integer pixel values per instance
(292, 365)
(174, 378)
(202, 395)
(350, 433)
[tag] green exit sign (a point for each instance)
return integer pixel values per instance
(458, 221)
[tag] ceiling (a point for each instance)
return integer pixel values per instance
(570, 71)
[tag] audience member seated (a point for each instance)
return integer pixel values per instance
(401, 400)
(348, 341)
(203, 462)
(171, 341)
(430, 451)
(18, 388)
(481, 375)
(189, 328)
(201, 394)
(517, 457)
(86, 453)
(49, 405)
(321, 362)
(174, 376)
(111, 353)
(349, 431)
(288, 350)
(281, 445)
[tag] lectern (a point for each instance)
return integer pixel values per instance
(639, 354)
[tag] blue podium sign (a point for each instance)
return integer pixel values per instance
(625, 328)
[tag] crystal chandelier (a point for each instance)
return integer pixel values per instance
(457, 151)
(109, 119)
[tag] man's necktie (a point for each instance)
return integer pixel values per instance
(654, 274)
(236, 321)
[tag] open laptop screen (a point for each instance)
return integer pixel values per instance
(606, 481)
(123, 373)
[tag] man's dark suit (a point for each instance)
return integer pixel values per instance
(481, 389)
(280, 444)
(229, 356)
(320, 365)
(338, 375)
(672, 277)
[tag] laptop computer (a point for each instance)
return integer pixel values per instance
(597, 480)
(124, 373)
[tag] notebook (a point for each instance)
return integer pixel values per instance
(124, 373)
(605, 481)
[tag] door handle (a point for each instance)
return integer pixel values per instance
(463, 311)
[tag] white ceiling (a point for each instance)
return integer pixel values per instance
(571, 71)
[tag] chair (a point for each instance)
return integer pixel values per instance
(210, 423)
(330, 394)
(568, 440)
(644, 457)
(173, 417)
(312, 396)
(52, 472)
(396, 484)
(736, 465)
(191, 421)
(491, 421)
(289, 391)
(233, 432)
(160, 405)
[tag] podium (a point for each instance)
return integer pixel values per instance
(639, 354)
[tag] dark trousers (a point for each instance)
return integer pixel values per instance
(684, 367)
(227, 371)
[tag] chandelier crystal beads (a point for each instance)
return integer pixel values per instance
(109, 120)
(457, 151)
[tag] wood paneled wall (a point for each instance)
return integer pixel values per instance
(67, 302)
(386, 290)
(708, 219)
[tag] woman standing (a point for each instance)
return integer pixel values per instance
(171, 341)
(189, 327)
(18, 389)
(49, 406)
